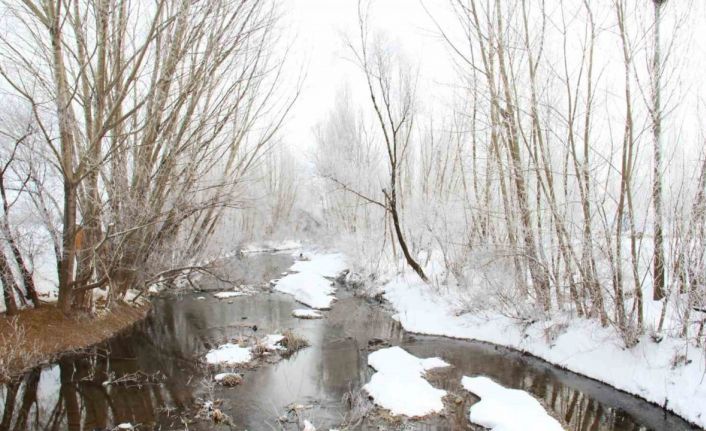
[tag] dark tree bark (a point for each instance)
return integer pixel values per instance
(8, 286)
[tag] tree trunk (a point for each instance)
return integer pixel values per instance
(66, 266)
(658, 290)
(8, 285)
(392, 202)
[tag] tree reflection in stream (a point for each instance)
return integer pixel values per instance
(157, 377)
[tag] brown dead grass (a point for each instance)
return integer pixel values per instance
(37, 336)
(292, 343)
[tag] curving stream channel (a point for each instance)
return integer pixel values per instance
(159, 380)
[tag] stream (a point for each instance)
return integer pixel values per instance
(158, 378)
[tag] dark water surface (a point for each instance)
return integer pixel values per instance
(159, 380)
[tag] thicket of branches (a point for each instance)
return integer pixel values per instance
(132, 127)
(555, 167)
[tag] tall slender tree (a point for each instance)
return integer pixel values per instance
(657, 67)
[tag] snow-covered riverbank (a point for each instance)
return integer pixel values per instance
(667, 373)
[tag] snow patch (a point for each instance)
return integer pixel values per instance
(308, 284)
(272, 342)
(270, 246)
(132, 295)
(399, 386)
(220, 376)
(229, 354)
(497, 401)
(226, 295)
(303, 313)
(583, 347)
(325, 265)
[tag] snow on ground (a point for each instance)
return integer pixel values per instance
(399, 385)
(228, 379)
(271, 342)
(302, 313)
(233, 354)
(269, 246)
(220, 376)
(229, 354)
(309, 289)
(491, 412)
(132, 295)
(226, 295)
(581, 346)
(326, 265)
(309, 284)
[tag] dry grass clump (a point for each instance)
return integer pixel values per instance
(231, 380)
(292, 343)
(260, 349)
(209, 411)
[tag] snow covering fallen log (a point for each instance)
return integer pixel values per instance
(309, 284)
(503, 409)
(399, 385)
(647, 370)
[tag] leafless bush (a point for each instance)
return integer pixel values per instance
(17, 349)
(359, 406)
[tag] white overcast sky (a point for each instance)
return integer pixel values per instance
(317, 29)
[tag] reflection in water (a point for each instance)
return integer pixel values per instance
(156, 377)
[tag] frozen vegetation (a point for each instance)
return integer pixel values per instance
(531, 176)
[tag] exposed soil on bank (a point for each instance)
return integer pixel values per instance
(37, 336)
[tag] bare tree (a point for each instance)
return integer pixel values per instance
(149, 114)
(391, 90)
(658, 264)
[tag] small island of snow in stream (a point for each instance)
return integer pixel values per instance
(234, 354)
(229, 354)
(302, 313)
(399, 385)
(503, 409)
(228, 295)
(309, 283)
